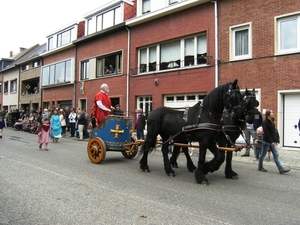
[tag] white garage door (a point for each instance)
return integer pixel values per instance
(182, 100)
(291, 115)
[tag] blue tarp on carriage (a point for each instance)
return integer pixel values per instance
(114, 131)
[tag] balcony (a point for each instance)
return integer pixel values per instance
(30, 98)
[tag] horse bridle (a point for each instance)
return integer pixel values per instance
(245, 103)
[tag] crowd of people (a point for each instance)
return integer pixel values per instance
(60, 121)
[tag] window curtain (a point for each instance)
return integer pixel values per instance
(170, 53)
(143, 60)
(152, 58)
(288, 34)
(241, 42)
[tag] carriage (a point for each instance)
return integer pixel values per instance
(201, 124)
(113, 134)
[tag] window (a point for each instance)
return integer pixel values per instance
(25, 67)
(13, 86)
(241, 42)
(36, 64)
(145, 103)
(172, 1)
(108, 65)
(104, 20)
(91, 24)
(50, 43)
(64, 37)
(108, 19)
(179, 53)
(146, 6)
(99, 22)
(57, 73)
(170, 55)
(288, 34)
(5, 87)
(84, 70)
(0, 88)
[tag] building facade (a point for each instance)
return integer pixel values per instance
(259, 44)
(171, 54)
(102, 55)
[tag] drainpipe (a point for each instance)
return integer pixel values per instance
(74, 88)
(216, 44)
(128, 72)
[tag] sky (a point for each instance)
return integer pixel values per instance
(25, 23)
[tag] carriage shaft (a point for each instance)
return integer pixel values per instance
(239, 147)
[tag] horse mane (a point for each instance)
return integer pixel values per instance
(213, 100)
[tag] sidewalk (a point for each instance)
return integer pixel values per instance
(289, 157)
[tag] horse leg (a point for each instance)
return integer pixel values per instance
(216, 162)
(167, 164)
(173, 158)
(229, 173)
(144, 160)
(189, 163)
(199, 174)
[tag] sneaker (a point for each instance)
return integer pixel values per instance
(245, 155)
(284, 171)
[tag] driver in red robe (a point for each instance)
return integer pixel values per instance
(102, 104)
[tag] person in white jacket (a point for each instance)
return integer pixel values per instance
(63, 122)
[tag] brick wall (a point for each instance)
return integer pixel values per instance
(266, 71)
(178, 25)
(60, 93)
(99, 47)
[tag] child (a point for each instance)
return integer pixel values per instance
(2, 124)
(258, 142)
(43, 134)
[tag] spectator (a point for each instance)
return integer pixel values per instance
(43, 134)
(140, 124)
(118, 111)
(63, 123)
(72, 121)
(269, 141)
(55, 127)
(2, 124)
(81, 123)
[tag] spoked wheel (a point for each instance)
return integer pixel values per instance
(131, 153)
(96, 150)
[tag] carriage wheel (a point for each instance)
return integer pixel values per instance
(96, 150)
(131, 153)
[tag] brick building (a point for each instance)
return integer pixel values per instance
(259, 43)
(102, 54)
(171, 54)
(58, 71)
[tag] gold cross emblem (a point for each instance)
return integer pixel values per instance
(117, 131)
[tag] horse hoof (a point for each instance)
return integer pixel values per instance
(171, 175)
(233, 176)
(146, 170)
(205, 183)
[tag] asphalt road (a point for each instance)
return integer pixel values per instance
(63, 186)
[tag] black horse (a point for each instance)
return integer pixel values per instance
(234, 129)
(201, 124)
(231, 130)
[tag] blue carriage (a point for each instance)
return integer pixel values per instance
(113, 134)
